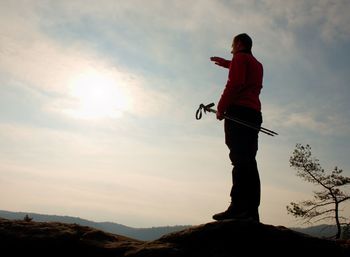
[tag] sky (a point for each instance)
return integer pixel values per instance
(98, 101)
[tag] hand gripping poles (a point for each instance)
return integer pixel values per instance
(207, 108)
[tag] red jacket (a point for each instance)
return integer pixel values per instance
(244, 83)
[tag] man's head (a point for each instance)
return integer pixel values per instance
(241, 42)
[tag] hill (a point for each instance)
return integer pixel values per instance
(145, 234)
(215, 239)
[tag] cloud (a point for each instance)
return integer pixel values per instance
(164, 33)
(30, 143)
(38, 61)
(308, 121)
(321, 122)
(328, 19)
(157, 52)
(201, 23)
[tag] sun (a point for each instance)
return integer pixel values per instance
(97, 96)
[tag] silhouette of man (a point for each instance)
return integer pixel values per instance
(240, 99)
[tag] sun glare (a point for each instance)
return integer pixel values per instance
(97, 96)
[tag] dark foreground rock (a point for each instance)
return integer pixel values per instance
(215, 239)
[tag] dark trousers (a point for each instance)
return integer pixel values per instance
(243, 144)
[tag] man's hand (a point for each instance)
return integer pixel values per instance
(220, 61)
(219, 115)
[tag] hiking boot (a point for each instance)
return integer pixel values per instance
(223, 216)
(228, 214)
(248, 215)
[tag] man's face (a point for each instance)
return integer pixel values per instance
(236, 45)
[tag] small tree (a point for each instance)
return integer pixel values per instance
(325, 204)
(27, 218)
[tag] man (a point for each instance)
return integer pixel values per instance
(240, 99)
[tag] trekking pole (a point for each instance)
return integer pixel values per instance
(207, 108)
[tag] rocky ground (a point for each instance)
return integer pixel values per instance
(215, 239)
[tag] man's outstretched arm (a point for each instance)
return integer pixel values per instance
(221, 61)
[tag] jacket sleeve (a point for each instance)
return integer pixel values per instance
(236, 81)
(227, 64)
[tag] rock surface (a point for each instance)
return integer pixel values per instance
(215, 239)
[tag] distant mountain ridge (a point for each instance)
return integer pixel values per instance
(144, 234)
(323, 230)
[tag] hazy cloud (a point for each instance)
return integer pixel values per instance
(157, 52)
